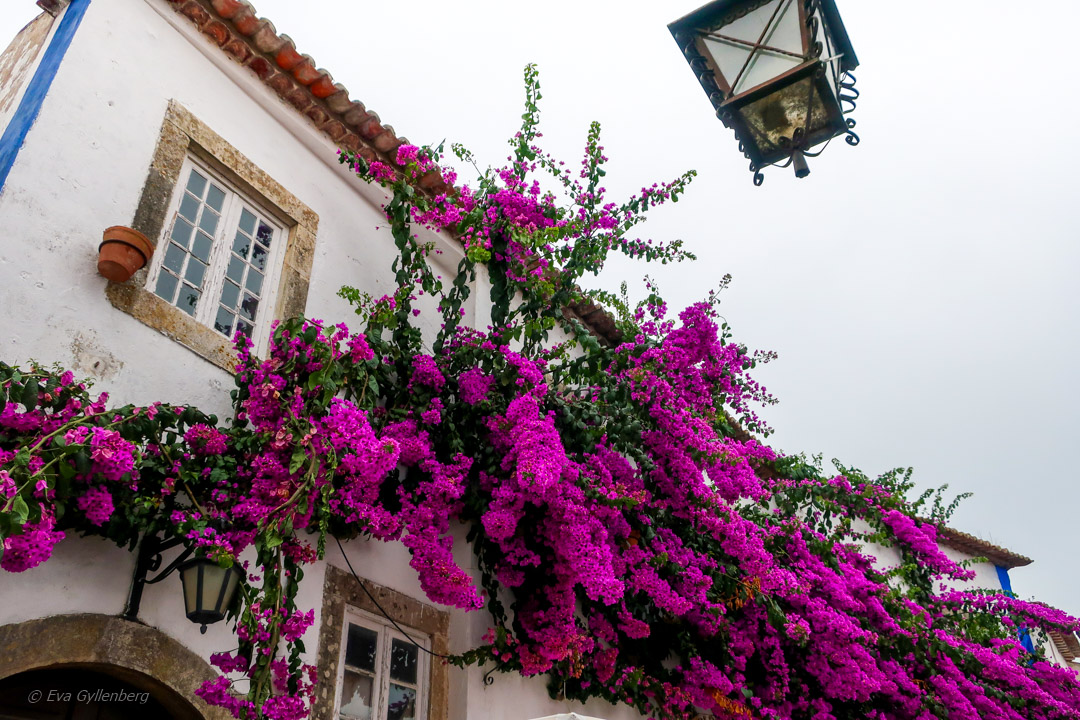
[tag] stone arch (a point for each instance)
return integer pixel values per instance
(129, 651)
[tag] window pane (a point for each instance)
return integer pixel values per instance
(195, 271)
(403, 656)
(224, 322)
(402, 705)
(216, 197)
(360, 649)
(189, 207)
(241, 245)
(181, 231)
(166, 287)
(258, 256)
(230, 293)
(254, 281)
(356, 696)
(236, 269)
(188, 300)
(208, 221)
(243, 328)
(266, 234)
(196, 183)
(174, 258)
(202, 246)
(247, 222)
(250, 307)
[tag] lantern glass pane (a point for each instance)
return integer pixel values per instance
(731, 45)
(231, 582)
(190, 578)
(777, 116)
(213, 579)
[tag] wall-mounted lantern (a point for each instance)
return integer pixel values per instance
(778, 73)
(208, 588)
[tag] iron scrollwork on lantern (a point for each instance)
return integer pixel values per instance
(777, 72)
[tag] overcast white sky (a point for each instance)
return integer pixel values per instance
(919, 288)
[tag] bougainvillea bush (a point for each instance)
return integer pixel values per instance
(635, 542)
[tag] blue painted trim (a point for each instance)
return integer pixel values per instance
(38, 87)
(1006, 585)
(1003, 578)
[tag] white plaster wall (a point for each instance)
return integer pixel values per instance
(986, 577)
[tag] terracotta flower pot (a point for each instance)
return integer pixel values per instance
(122, 252)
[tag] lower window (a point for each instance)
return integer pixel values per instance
(383, 673)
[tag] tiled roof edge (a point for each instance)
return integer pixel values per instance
(254, 42)
(967, 543)
(1067, 644)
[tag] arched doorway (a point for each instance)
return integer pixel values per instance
(76, 694)
(99, 654)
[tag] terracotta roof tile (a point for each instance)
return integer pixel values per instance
(196, 13)
(216, 31)
(246, 22)
(227, 8)
(339, 101)
(266, 38)
(305, 73)
(324, 86)
(287, 56)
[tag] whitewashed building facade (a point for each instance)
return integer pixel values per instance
(192, 121)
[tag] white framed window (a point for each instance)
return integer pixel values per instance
(220, 255)
(382, 674)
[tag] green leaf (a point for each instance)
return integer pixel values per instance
(19, 510)
(297, 461)
(30, 394)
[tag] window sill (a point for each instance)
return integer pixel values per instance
(133, 298)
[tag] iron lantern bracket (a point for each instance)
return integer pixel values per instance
(149, 560)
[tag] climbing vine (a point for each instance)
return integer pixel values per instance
(634, 542)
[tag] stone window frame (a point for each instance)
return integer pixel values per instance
(183, 134)
(341, 592)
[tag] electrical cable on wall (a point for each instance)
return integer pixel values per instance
(380, 607)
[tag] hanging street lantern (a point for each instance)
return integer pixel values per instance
(208, 590)
(778, 73)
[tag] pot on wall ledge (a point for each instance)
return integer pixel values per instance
(122, 252)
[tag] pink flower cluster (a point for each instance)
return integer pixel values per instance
(205, 440)
(33, 546)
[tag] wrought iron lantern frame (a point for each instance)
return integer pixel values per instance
(833, 87)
